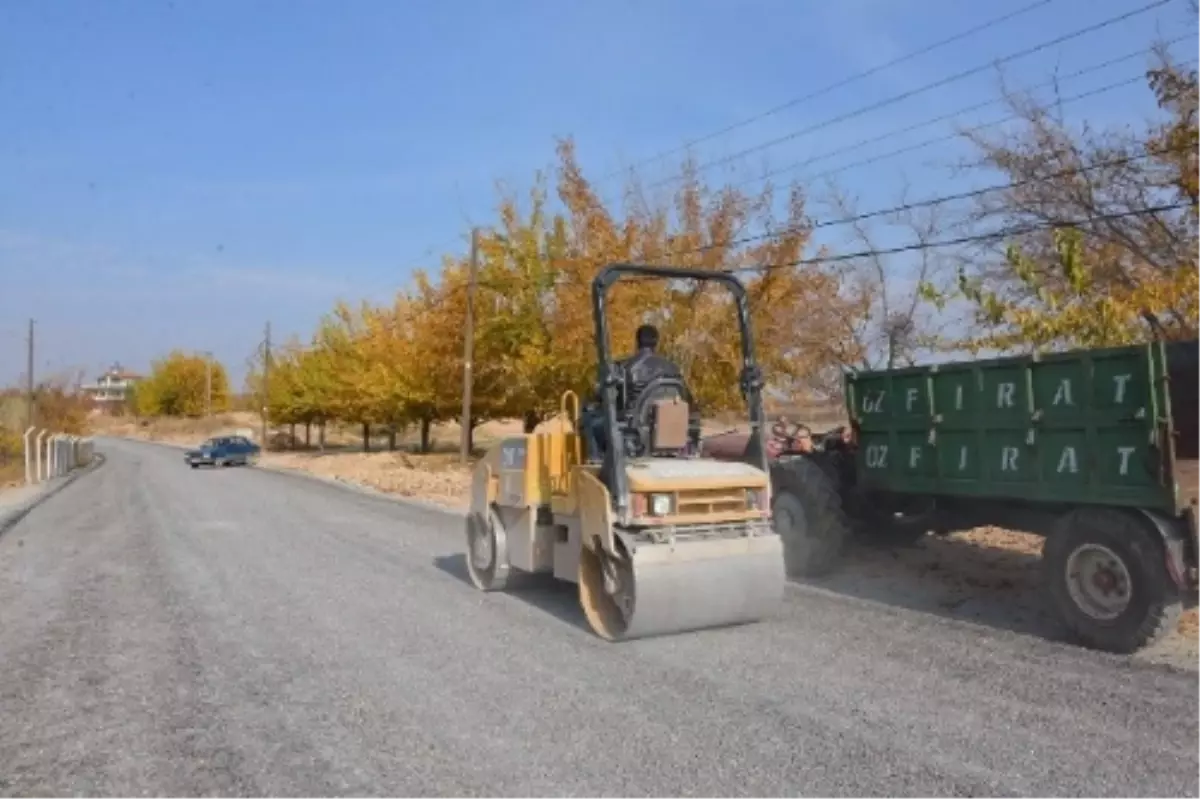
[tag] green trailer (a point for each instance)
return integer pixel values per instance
(1083, 447)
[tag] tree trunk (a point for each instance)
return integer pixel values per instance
(321, 435)
(292, 436)
(426, 426)
(308, 435)
(366, 436)
(392, 439)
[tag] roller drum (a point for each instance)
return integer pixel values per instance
(688, 585)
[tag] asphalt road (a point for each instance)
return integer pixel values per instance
(175, 632)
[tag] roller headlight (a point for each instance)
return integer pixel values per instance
(754, 498)
(660, 504)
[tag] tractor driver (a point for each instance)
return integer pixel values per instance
(640, 368)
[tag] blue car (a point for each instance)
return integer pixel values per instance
(223, 451)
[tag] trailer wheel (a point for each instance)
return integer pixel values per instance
(807, 512)
(1106, 573)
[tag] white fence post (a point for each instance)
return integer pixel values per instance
(30, 478)
(43, 457)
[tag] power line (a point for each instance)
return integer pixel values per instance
(1018, 230)
(924, 88)
(597, 202)
(839, 84)
(1140, 77)
(939, 200)
(891, 134)
(942, 199)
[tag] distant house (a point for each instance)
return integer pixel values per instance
(111, 389)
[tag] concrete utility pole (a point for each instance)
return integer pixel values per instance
(29, 379)
(266, 392)
(469, 349)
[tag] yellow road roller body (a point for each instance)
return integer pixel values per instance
(658, 539)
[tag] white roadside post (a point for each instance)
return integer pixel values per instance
(30, 477)
(52, 455)
(41, 475)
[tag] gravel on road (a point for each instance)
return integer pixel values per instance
(239, 631)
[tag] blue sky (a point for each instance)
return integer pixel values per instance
(174, 174)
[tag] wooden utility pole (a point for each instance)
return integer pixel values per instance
(207, 384)
(29, 414)
(469, 349)
(266, 392)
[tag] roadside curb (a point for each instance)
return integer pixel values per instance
(10, 518)
(338, 482)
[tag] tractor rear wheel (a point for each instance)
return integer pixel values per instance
(808, 516)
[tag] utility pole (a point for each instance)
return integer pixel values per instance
(29, 379)
(469, 349)
(266, 382)
(207, 384)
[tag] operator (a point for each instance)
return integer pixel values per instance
(646, 364)
(640, 368)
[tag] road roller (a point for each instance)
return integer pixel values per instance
(619, 500)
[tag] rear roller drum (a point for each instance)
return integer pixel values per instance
(487, 552)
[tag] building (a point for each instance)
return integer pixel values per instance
(111, 389)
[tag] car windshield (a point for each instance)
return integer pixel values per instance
(212, 442)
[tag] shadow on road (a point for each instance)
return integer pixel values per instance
(555, 598)
(961, 576)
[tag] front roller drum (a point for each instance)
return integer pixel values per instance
(659, 589)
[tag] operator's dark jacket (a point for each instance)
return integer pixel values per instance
(644, 366)
(640, 368)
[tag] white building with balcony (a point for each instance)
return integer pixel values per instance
(111, 389)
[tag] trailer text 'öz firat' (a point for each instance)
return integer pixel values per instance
(1087, 447)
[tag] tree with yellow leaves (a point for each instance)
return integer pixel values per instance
(534, 334)
(299, 389)
(795, 302)
(178, 386)
(1112, 253)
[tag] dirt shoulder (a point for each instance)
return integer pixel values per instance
(989, 576)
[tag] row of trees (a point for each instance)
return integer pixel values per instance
(1094, 263)
(402, 364)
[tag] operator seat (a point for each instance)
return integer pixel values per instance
(661, 419)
